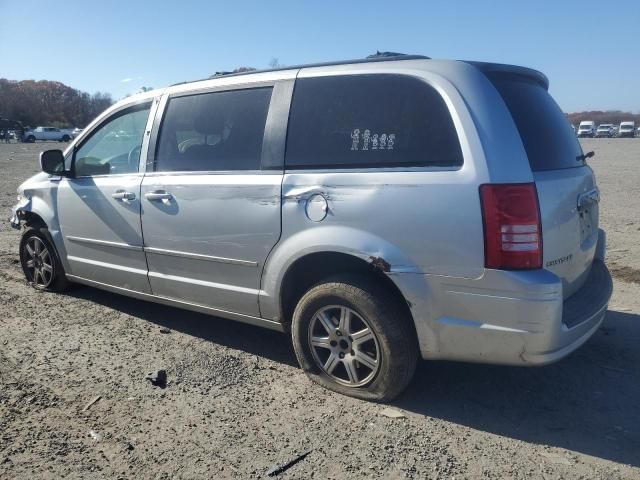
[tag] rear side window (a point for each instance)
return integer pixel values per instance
(369, 121)
(216, 131)
(546, 134)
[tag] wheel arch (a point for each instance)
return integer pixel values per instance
(37, 211)
(312, 268)
(326, 251)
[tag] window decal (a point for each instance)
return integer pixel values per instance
(355, 139)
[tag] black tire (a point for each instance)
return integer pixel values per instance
(31, 139)
(58, 281)
(66, 138)
(393, 332)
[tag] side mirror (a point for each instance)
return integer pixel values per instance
(52, 162)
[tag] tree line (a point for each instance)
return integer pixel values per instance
(599, 117)
(43, 102)
(55, 104)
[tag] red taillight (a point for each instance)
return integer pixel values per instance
(512, 231)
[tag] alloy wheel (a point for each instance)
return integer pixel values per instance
(38, 262)
(344, 346)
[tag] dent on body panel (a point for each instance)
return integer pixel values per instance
(42, 195)
(406, 218)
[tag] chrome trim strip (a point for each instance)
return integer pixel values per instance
(240, 317)
(203, 283)
(104, 243)
(199, 256)
(112, 266)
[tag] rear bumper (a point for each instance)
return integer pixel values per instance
(513, 318)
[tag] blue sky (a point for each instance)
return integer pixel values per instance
(590, 50)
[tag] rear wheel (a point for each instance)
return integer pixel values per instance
(352, 337)
(31, 139)
(66, 138)
(40, 262)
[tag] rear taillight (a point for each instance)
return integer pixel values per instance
(512, 231)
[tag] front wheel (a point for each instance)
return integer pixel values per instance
(352, 337)
(31, 139)
(40, 262)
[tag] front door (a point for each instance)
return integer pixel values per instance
(210, 212)
(99, 206)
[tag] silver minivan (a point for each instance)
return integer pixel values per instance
(379, 210)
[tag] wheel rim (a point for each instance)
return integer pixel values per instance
(344, 346)
(38, 262)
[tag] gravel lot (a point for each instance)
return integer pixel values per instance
(236, 403)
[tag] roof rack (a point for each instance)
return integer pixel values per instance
(376, 57)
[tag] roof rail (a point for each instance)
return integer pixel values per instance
(376, 57)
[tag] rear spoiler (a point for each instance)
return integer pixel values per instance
(499, 68)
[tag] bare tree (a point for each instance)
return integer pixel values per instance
(275, 63)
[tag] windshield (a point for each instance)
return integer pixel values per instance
(585, 127)
(604, 127)
(546, 136)
(626, 127)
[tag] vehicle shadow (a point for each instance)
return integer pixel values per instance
(265, 343)
(588, 403)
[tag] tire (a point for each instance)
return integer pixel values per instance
(31, 139)
(34, 241)
(389, 348)
(66, 138)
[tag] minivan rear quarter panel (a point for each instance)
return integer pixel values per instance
(373, 208)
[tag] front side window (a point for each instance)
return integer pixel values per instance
(369, 121)
(218, 131)
(114, 148)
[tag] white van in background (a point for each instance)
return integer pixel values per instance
(627, 129)
(587, 128)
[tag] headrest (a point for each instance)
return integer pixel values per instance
(209, 120)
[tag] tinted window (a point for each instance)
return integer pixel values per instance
(546, 134)
(369, 121)
(214, 131)
(115, 146)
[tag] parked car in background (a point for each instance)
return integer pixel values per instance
(47, 133)
(605, 130)
(287, 199)
(587, 128)
(7, 134)
(627, 129)
(76, 131)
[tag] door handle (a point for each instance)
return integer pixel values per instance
(158, 195)
(122, 195)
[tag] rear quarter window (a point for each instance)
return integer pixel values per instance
(546, 134)
(369, 121)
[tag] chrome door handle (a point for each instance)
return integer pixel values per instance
(122, 195)
(158, 195)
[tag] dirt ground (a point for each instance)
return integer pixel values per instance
(237, 404)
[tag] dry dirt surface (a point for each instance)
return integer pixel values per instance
(236, 403)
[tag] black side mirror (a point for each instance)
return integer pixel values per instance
(52, 162)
